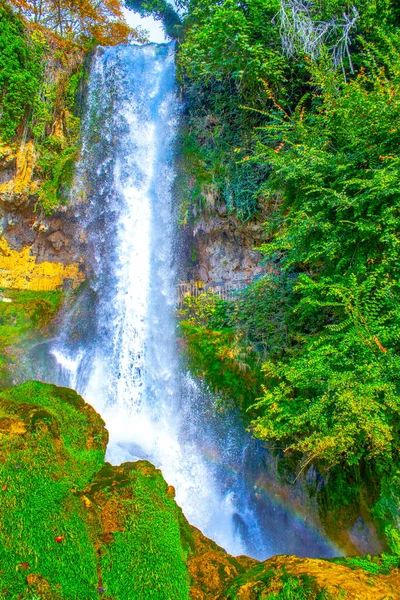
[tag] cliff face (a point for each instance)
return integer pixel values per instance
(225, 248)
(86, 528)
(222, 247)
(36, 168)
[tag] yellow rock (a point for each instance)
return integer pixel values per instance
(22, 183)
(19, 271)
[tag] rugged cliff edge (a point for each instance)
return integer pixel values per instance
(73, 526)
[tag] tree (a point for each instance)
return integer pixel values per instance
(82, 20)
(161, 10)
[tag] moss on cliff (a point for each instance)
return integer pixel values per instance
(67, 532)
(51, 443)
(23, 316)
(142, 555)
(292, 578)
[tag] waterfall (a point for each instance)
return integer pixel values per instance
(118, 345)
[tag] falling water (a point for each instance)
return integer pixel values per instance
(118, 346)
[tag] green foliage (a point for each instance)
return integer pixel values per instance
(336, 395)
(57, 142)
(266, 581)
(232, 41)
(216, 352)
(231, 55)
(382, 564)
(20, 72)
(60, 168)
(39, 80)
(300, 588)
(262, 313)
(319, 154)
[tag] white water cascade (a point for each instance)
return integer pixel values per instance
(118, 345)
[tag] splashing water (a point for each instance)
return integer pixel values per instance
(118, 345)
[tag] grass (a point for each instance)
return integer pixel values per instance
(275, 585)
(382, 564)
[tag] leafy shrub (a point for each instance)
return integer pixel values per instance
(20, 72)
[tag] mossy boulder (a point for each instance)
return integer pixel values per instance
(290, 577)
(51, 443)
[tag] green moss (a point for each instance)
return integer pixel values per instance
(145, 559)
(217, 351)
(22, 319)
(61, 170)
(382, 564)
(276, 585)
(300, 588)
(50, 444)
(64, 531)
(82, 432)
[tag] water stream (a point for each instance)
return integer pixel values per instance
(118, 344)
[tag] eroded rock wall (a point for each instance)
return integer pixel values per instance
(223, 248)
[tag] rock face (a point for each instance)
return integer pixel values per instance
(37, 251)
(17, 183)
(72, 526)
(223, 247)
(36, 171)
(20, 270)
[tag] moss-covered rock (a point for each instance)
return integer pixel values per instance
(51, 444)
(25, 316)
(140, 550)
(289, 577)
(74, 527)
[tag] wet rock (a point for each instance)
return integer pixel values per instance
(58, 240)
(211, 568)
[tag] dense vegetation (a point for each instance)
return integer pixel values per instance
(307, 133)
